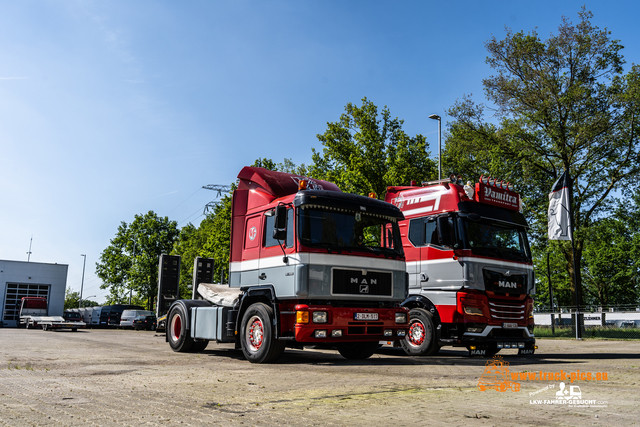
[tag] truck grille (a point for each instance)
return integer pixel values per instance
(354, 282)
(506, 310)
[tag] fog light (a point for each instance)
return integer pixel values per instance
(401, 317)
(401, 332)
(319, 317)
(500, 345)
(520, 345)
(320, 333)
(336, 333)
(472, 347)
(474, 330)
(388, 332)
(302, 317)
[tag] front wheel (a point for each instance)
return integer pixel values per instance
(421, 338)
(358, 350)
(177, 333)
(258, 339)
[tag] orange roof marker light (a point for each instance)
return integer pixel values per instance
(303, 184)
(373, 195)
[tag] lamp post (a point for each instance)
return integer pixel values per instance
(437, 117)
(82, 284)
(87, 298)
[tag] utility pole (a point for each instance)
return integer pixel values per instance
(29, 253)
(82, 284)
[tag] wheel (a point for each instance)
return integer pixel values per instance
(421, 337)
(257, 338)
(177, 333)
(503, 387)
(357, 350)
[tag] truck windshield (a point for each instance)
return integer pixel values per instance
(351, 231)
(496, 240)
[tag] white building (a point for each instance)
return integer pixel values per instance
(30, 279)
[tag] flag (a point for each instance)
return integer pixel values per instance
(559, 224)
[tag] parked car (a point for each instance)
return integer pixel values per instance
(72, 316)
(129, 316)
(148, 322)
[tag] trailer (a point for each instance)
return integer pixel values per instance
(49, 323)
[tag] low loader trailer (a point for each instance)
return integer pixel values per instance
(309, 266)
(50, 323)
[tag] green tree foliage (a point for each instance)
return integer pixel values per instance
(561, 103)
(130, 263)
(367, 151)
(71, 299)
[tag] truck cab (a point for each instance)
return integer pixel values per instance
(312, 266)
(469, 264)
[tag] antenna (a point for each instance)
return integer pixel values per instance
(29, 253)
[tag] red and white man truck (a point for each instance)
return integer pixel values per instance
(469, 264)
(312, 266)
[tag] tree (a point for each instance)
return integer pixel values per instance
(365, 152)
(130, 263)
(71, 299)
(563, 103)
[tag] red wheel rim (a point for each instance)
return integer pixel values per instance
(176, 328)
(255, 333)
(416, 334)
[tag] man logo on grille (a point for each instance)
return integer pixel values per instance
(364, 289)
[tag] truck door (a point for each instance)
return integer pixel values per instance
(251, 251)
(273, 269)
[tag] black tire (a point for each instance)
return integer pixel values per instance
(177, 333)
(358, 350)
(199, 346)
(421, 334)
(257, 337)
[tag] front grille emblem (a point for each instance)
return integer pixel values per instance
(364, 289)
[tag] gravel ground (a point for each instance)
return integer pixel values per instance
(127, 378)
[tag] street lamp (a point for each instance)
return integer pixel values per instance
(437, 117)
(82, 284)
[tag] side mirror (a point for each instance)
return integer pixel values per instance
(280, 226)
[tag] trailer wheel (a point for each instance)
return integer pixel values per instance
(421, 337)
(177, 333)
(358, 350)
(257, 338)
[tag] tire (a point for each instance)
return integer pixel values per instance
(421, 334)
(177, 333)
(358, 350)
(257, 338)
(199, 346)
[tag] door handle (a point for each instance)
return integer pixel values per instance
(424, 277)
(263, 276)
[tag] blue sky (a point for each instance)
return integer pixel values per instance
(110, 109)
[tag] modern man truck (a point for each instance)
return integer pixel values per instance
(312, 266)
(469, 264)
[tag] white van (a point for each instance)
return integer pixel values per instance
(86, 316)
(95, 316)
(129, 316)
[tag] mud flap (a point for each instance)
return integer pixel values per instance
(527, 351)
(480, 351)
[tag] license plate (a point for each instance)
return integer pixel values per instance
(510, 325)
(366, 316)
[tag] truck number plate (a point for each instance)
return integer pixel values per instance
(366, 316)
(510, 325)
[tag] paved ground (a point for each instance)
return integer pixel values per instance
(128, 378)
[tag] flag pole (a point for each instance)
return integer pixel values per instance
(573, 252)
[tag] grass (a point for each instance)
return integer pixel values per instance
(588, 332)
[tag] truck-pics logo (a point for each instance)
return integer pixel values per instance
(496, 376)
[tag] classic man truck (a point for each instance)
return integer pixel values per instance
(311, 266)
(469, 264)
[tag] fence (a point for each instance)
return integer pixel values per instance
(595, 322)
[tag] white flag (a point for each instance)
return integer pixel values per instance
(559, 209)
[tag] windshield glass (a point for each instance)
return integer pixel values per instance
(345, 230)
(496, 240)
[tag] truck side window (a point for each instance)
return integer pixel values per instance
(269, 241)
(431, 232)
(416, 232)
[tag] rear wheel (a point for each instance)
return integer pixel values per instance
(358, 350)
(258, 339)
(421, 338)
(199, 346)
(177, 333)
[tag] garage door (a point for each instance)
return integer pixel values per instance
(14, 292)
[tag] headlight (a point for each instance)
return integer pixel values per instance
(473, 311)
(401, 317)
(320, 317)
